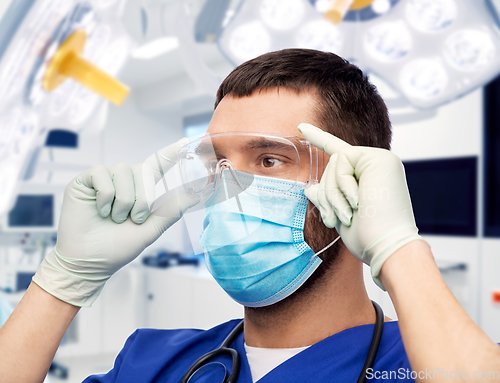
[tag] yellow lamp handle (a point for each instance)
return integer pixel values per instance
(339, 8)
(67, 62)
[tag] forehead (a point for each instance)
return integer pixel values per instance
(267, 111)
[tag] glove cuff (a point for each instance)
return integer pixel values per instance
(384, 247)
(60, 282)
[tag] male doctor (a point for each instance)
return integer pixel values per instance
(316, 328)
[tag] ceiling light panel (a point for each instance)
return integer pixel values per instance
(260, 26)
(282, 15)
(431, 51)
(431, 16)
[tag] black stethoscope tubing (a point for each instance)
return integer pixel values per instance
(377, 336)
(223, 349)
(235, 370)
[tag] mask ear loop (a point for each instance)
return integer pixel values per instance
(328, 246)
(226, 164)
(315, 152)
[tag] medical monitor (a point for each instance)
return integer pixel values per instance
(491, 169)
(444, 195)
(32, 212)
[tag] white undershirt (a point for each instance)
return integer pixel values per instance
(263, 360)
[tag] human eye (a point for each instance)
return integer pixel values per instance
(270, 162)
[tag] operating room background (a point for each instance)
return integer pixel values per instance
(165, 104)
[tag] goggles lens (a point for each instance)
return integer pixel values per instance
(241, 177)
(202, 161)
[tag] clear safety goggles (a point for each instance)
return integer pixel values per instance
(202, 161)
(231, 168)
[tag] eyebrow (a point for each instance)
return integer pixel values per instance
(253, 144)
(263, 143)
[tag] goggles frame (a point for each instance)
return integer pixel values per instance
(225, 163)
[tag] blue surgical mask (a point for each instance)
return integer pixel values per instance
(254, 240)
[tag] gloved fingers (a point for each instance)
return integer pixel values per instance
(123, 182)
(99, 179)
(327, 213)
(345, 178)
(144, 180)
(313, 194)
(169, 213)
(163, 160)
(334, 195)
(322, 140)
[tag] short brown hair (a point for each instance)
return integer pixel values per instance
(349, 106)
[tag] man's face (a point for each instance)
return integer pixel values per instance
(263, 112)
(267, 111)
(280, 112)
(273, 111)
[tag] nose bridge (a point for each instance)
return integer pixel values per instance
(237, 159)
(225, 164)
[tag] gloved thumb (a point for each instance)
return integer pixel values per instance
(168, 213)
(311, 193)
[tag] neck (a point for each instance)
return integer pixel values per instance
(337, 301)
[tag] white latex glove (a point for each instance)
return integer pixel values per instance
(363, 194)
(105, 223)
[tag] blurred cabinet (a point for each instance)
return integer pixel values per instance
(138, 296)
(186, 297)
(490, 288)
(113, 317)
(458, 260)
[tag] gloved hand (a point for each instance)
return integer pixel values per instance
(363, 194)
(105, 223)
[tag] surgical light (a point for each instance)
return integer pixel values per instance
(13, 64)
(261, 26)
(156, 48)
(469, 50)
(104, 3)
(381, 6)
(282, 14)
(115, 55)
(62, 98)
(42, 42)
(23, 136)
(96, 46)
(322, 5)
(320, 35)
(430, 51)
(431, 15)
(83, 105)
(424, 78)
(249, 40)
(8, 123)
(388, 41)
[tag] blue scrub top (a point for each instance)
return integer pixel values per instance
(165, 355)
